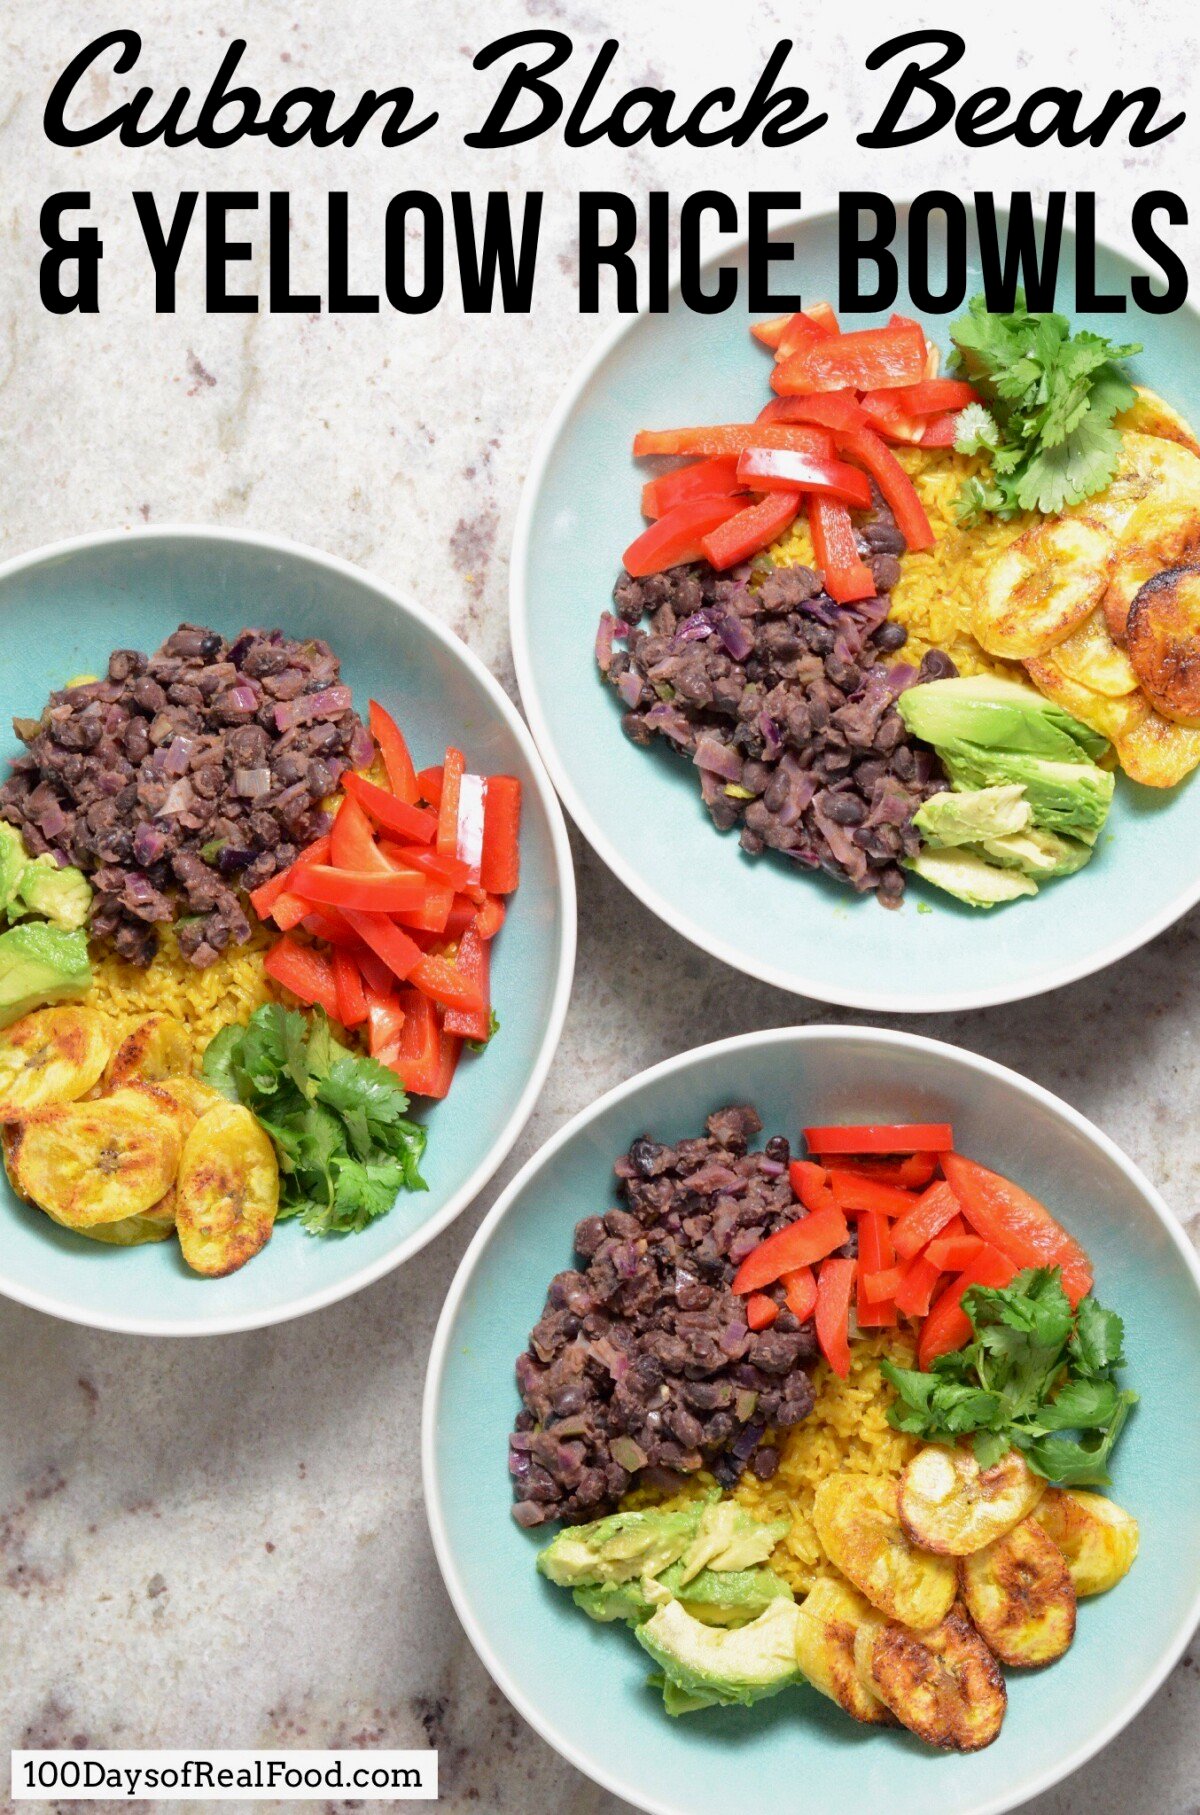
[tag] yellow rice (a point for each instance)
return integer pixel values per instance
(846, 1429)
(204, 1000)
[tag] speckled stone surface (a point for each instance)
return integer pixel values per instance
(223, 1543)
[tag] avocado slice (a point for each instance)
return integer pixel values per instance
(730, 1665)
(622, 1547)
(968, 876)
(40, 964)
(728, 1538)
(1068, 797)
(974, 814)
(62, 896)
(727, 1597)
(12, 862)
(997, 714)
(1038, 853)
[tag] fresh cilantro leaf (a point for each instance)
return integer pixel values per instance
(493, 1030)
(220, 1059)
(1098, 1339)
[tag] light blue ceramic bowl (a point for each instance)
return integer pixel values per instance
(641, 810)
(583, 1686)
(61, 611)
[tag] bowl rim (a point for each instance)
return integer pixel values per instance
(564, 881)
(783, 1037)
(807, 983)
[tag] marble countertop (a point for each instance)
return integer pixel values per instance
(224, 1541)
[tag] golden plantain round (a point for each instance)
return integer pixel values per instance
(856, 1521)
(158, 1047)
(950, 1505)
(1042, 586)
(52, 1056)
(827, 1624)
(944, 1685)
(191, 1097)
(1098, 1538)
(154, 1225)
(1019, 1593)
(100, 1161)
(228, 1191)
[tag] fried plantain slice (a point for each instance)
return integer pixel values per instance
(944, 1685)
(1090, 657)
(828, 1621)
(1158, 753)
(184, 1099)
(154, 1225)
(1153, 476)
(948, 1504)
(157, 1047)
(1152, 415)
(1042, 586)
(98, 1162)
(1112, 718)
(1162, 636)
(228, 1191)
(52, 1056)
(10, 1141)
(1159, 537)
(1098, 1539)
(857, 1522)
(1020, 1595)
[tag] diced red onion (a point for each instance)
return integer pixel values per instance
(670, 721)
(772, 742)
(242, 698)
(179, 755)
(604, 641)
(528, 1514)
(52, 821)
(148, 844)
(772, 1168)
(362, 748)
(719, 758)
(179, 797)
(252, 784)
(736, 638)
(629, 686)
(330, 702)
(733, 1339)
(699, 624)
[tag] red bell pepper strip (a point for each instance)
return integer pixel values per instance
(385, 1022)
(798, 1244)
(445, 983)
(870, 359)
(751, 530)
(954, 1252)
(474, 964)
(876, 1287)
(416, 1054)
(378, 979)
(1016, 1223)
(463, 914)
(927, 1218)
(876, 1137)
(500, 869)
(852, 1192)
(733, 438)
(914, 1294)
(433, 915)
(761, 1311)
(810, 1185)
(397, 762)
(801, 328)
(831, 410)
(289, 910)
(947, 1326)
(263, 899)
(847, 576)
(327, 924)
(348, 986)
(369, 891)
(932, 395)
(305, 971)
(451, 871)
(912, 1173)
(395, 815)
(800, 1290)
(490, 917)
(389, 943)
(469, 848)
(897, 488)
(447, 829)
(771, 332)
(882, 413)
(940, 431)
(429, 786)
(677, 537)
(779, 469)
(835, 1283)
(875, 1255)
(352, 842)
(715, 478)
(449, 1052)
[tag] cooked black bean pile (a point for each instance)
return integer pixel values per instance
(183, 777)
(782, 701)
(642, 1359)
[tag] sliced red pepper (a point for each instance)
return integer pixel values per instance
(1008, 1217)
(823, 314)
(678, 536)
(397, 762)
(751, 530)
(912, 1173)
(771, 332)
(897, 488)
(449, 1052)
(847, 577)
(780, 469)
(474, 964)
(348, 987)
(882, 413)
(385, 1023)
(733, 438)
(378, 980)
(352, 842)
(416, 1055)
(800, 1290)
(289, 910)
(801, 328)
(798, 1244)
(831, 410)
(875, 1255)
(490, 917)
(500, 869)
(940, 431)
(433, 915)
(451, 871)
(852, 1192)
(305, 971)
(869, 359)
(932, 395)
(761, 1311)
(927, 1218)
(389, 943)
(810, 1185)
(877, 1137)
(954, 1252)
(419, 823)
(369, 891)
(463, 914)
(453, 770)
(835, 1283)
(263, 899)
(445, 983)
(328, 926)
(429, 786)
(715, 478)
(947, 1326)
(915, 1292)
(876, 1287)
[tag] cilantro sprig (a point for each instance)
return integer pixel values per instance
(338, 1120)
(1047, 421)
(1035, 1375)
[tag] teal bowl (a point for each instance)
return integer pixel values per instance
(583, 1686)
(641, 809)
(62, 610)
